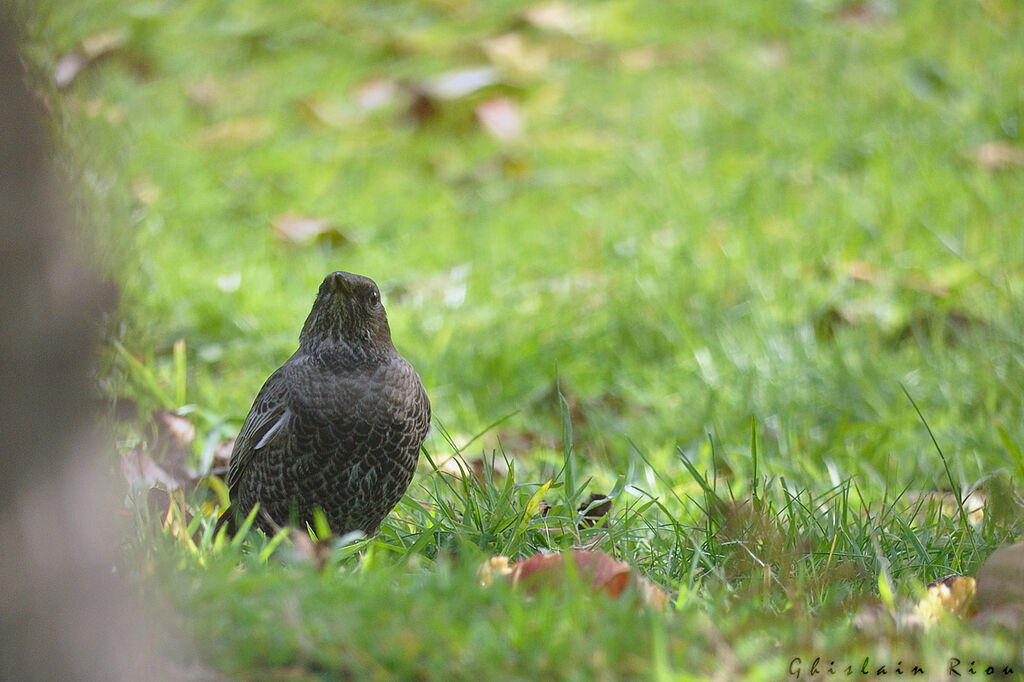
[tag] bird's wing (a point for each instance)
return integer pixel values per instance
(268, 417)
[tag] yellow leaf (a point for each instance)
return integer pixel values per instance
(531, 507)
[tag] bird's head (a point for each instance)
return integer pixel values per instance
(347, 313)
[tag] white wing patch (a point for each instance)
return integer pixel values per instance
(273, 429)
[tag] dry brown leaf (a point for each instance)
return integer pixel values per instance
(459, 467)
(859, 13)
(162, 460)
(300, 229)
(558, 17)
(602, 572)
(222, 457)
(235, 131)
(316, 553)
(925, 284)
(222, 452)
(515, 441)
(68, 67)
(170, 442)
(332, 113)
(650, 594)
(425, 97)
(997, 156)
(422, 107)
(861, 271)
(495, 567)
(375, 94)
(599, 570)
(501, 118)
(453, 85)
(516, 56)
(140, 470)
(594, 515)
(99, 44)
(953, 594)
(92, 48)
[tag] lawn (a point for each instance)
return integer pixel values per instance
(754, 270)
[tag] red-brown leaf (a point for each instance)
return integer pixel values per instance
(501, 118)
(997, 156)
(601, 571)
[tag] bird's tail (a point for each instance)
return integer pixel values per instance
(228, 522)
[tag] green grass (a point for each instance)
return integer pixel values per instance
(746, 241)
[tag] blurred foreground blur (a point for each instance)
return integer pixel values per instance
(64, 613)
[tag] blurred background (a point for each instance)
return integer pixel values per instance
(686, 216)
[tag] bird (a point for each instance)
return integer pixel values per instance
(338, 427)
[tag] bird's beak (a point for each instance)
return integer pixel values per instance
(340, 284)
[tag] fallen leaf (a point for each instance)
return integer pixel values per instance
(162, 459)
(557, 17)
(316, 553)
(517, 441)
(170, 442)
(925, 284)
(333, 113)
(516, 56)
(235, 131)
(99, 44)
(861, 271)
(602, 572)
(68, 67)
(422, 107)
(91, 48)
(460, 467)
(501, 118)
(998, 156)
(859, 13)
(953, 594)
(596, 512)
(425, 97)
(222, 457)
(158, 501)
(375, 94)
(141, 471)
(299, 229)
(454, 85)
(649, 593)
(599, 570)
(495, 567)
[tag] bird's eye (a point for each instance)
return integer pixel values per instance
(373, 297)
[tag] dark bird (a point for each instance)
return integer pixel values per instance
(338, 427)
